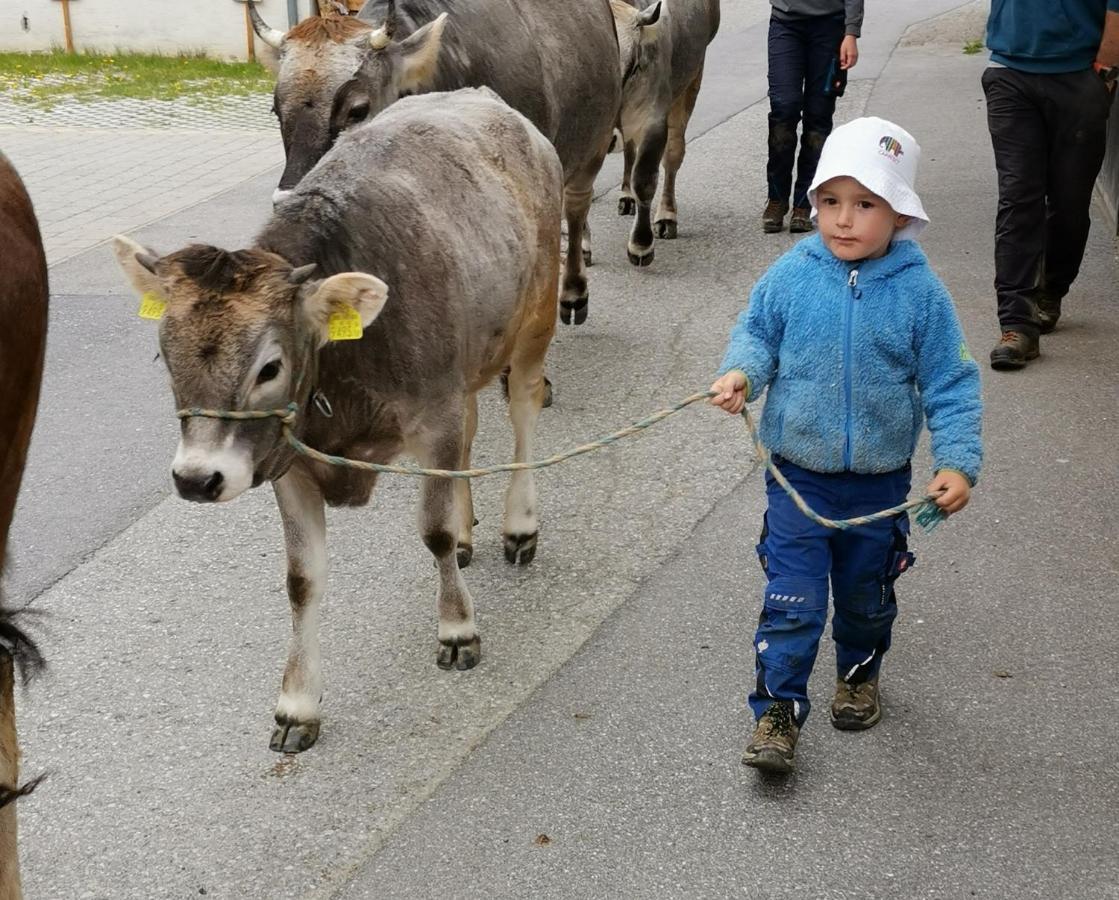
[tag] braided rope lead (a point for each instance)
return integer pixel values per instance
(928, 513)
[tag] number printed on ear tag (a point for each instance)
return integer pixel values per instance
(152, 306)
(345, 325)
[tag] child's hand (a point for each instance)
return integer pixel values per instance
(956, 489)
(730, 391)
(848, 52)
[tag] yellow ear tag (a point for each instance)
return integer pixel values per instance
(152, 306)
(344, 325)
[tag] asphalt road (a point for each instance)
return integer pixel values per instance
(595, 751)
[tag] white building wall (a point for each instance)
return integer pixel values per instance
(215, 27)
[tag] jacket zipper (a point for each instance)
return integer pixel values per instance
(854, 294)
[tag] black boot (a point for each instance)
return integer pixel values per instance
(1014, 350)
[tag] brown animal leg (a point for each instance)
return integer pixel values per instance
(649, 152)
(441, 447)
(574, 296)
(678, 118)
(9, 777)
(302, 511)
(627, 203)
(464, 500)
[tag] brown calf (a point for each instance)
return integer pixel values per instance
(23, 334)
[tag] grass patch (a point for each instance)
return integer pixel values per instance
(46, 79)
(973, 47)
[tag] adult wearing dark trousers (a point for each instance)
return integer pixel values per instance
(812, 44)
(1049, 91)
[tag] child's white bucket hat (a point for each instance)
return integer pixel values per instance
(883, 158)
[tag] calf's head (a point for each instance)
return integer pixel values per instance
(638, 30)
(239, 330)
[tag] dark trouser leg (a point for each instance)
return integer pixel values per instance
(1019, 136)
(786, 98)
(794, 553)
(1077, 107)
(824, 36)
(867, 562)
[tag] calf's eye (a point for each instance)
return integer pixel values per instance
(268, 371)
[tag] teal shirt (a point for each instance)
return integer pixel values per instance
(1046, 36)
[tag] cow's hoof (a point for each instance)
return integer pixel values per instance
(627, 206)
(459, 655)
(520, 549)
(574, 312)
(549, 394)
(588, 259)
(666, 229)
(293, 737)
(464, 554)
(641, 259)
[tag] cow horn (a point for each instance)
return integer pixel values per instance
(301, 274)
(271, 36)
(380, 38)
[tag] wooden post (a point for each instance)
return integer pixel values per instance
(66, 26)
(249, 34)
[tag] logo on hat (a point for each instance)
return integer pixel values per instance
(890, 147)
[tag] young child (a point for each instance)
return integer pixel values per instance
(858, 342)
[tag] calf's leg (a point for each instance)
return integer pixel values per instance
(627, 203)
(464, 499)
(645, 166)
(304, 518)
(678, 117)
(441, 447)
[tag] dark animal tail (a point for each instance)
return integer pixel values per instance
(25, 656)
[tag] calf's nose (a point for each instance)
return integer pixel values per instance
(203, 487)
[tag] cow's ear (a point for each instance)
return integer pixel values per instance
(139, 264)
(341, 305)
(419, 55)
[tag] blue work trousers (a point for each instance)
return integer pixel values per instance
(799, 557)
(801, 53)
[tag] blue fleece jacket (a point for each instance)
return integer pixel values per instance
(856, 356)
(1046, 36)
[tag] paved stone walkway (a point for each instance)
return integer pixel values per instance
(88, 184)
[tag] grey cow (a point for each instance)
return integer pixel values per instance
(553, 62)
(663, 45)
(438, 224)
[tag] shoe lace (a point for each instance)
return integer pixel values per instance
(780, 717)
(1009, 337)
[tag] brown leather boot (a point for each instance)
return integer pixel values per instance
(801, 220)
(773, 218)
(1014, 350)
(774, 740)
(855, 706)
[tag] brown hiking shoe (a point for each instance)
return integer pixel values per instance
(774, 740)
(773, 218)
(1048, 312)
(1014, 350)
(855, 706)
(801, 220)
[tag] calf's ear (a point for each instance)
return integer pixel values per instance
(419, 56)
(348, 296)
(139, 265)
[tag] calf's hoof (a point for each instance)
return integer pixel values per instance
(627, 206)
(641, 259)
(666, 229)
(464, 554)
(293, 737)
(520, 549)
(461, 655)
(574, 312)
